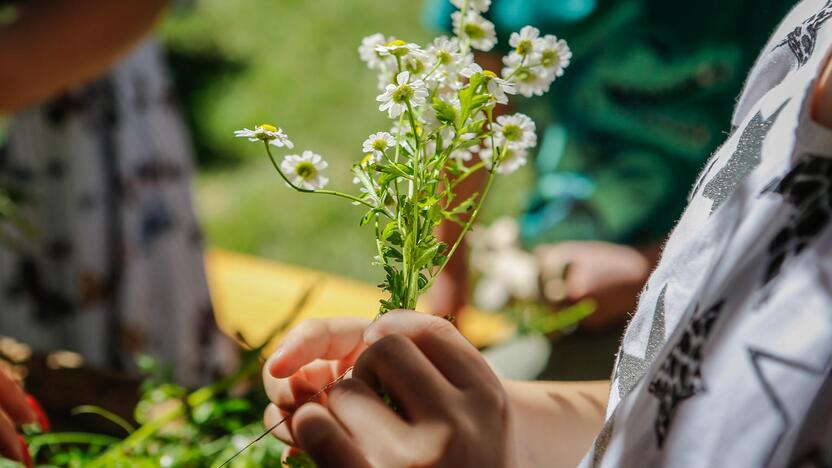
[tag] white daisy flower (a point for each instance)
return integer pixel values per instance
(444, 50)
(477, 29)
(376, 144)
(416, 64)
(555, 54)
(526, 41)
(400, 48)
(266, 132)
(497, 87)
(396, 97)
(529, 80)
(512, 160)
(476, 5)
(367, 50)
(305, 171)
(516, 131)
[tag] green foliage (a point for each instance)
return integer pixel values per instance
(300, 461)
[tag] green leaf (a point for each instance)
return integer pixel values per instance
(445, 112)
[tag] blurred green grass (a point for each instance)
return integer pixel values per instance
(293, 63)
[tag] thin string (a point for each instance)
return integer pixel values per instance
(279, 423)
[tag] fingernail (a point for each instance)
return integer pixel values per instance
(372, 334)
(40, 414)
(24, 452)
(275, 364)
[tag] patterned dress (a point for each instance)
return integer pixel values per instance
(113, 264)
(728, 360)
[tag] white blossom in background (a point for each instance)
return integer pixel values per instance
(517, 131)
(305, 171)
(476, 29)
(368, 53)
(526, 42)
(507, 271)
(510, 161)
(555, 55)
(530, 80)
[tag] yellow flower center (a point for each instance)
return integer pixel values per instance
(550, 58)
(524, 47)
(366, 159)
(396, 43)
(267, 127)
(306, 170)
(489, 74)
(474, 31)
(402, 94)
(380, 144)
(512, 132)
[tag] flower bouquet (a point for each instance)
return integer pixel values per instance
(444, 128)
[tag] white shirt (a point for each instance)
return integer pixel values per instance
(727, 359)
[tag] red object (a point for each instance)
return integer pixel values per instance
(24, 451)
(40, 415)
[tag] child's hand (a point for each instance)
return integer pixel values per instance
(15, 411)
(312, 355)
(611, 274)
(452, 409)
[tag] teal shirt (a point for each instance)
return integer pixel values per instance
(646, 100)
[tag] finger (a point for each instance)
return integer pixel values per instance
(271, 417)
(394, 364)
(317, 339)
(13, 401)
(373, 425)
(318, 433)
(460, 363)
(10, 446)
(553, 259)
(302, 386)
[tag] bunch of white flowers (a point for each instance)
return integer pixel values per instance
(442, 110)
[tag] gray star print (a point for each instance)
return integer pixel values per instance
(631, 368)
(745, 159)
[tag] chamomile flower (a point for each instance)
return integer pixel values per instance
(368, 53)
(497, 87)
(529, 80)
(526, 41)
(266, 132)
(511, 160)
(476, 5)
(400, 48)
(444, 50)
(555, 54)
(477, 29)
(397, 97)
(305, 171)
(376, 144)
(515, 131)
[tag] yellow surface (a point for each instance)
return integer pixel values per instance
(252, 296)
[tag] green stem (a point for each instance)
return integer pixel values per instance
(467, 173)
(465, 229)
(305, 190)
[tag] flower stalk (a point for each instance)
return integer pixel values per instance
(441, 106)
